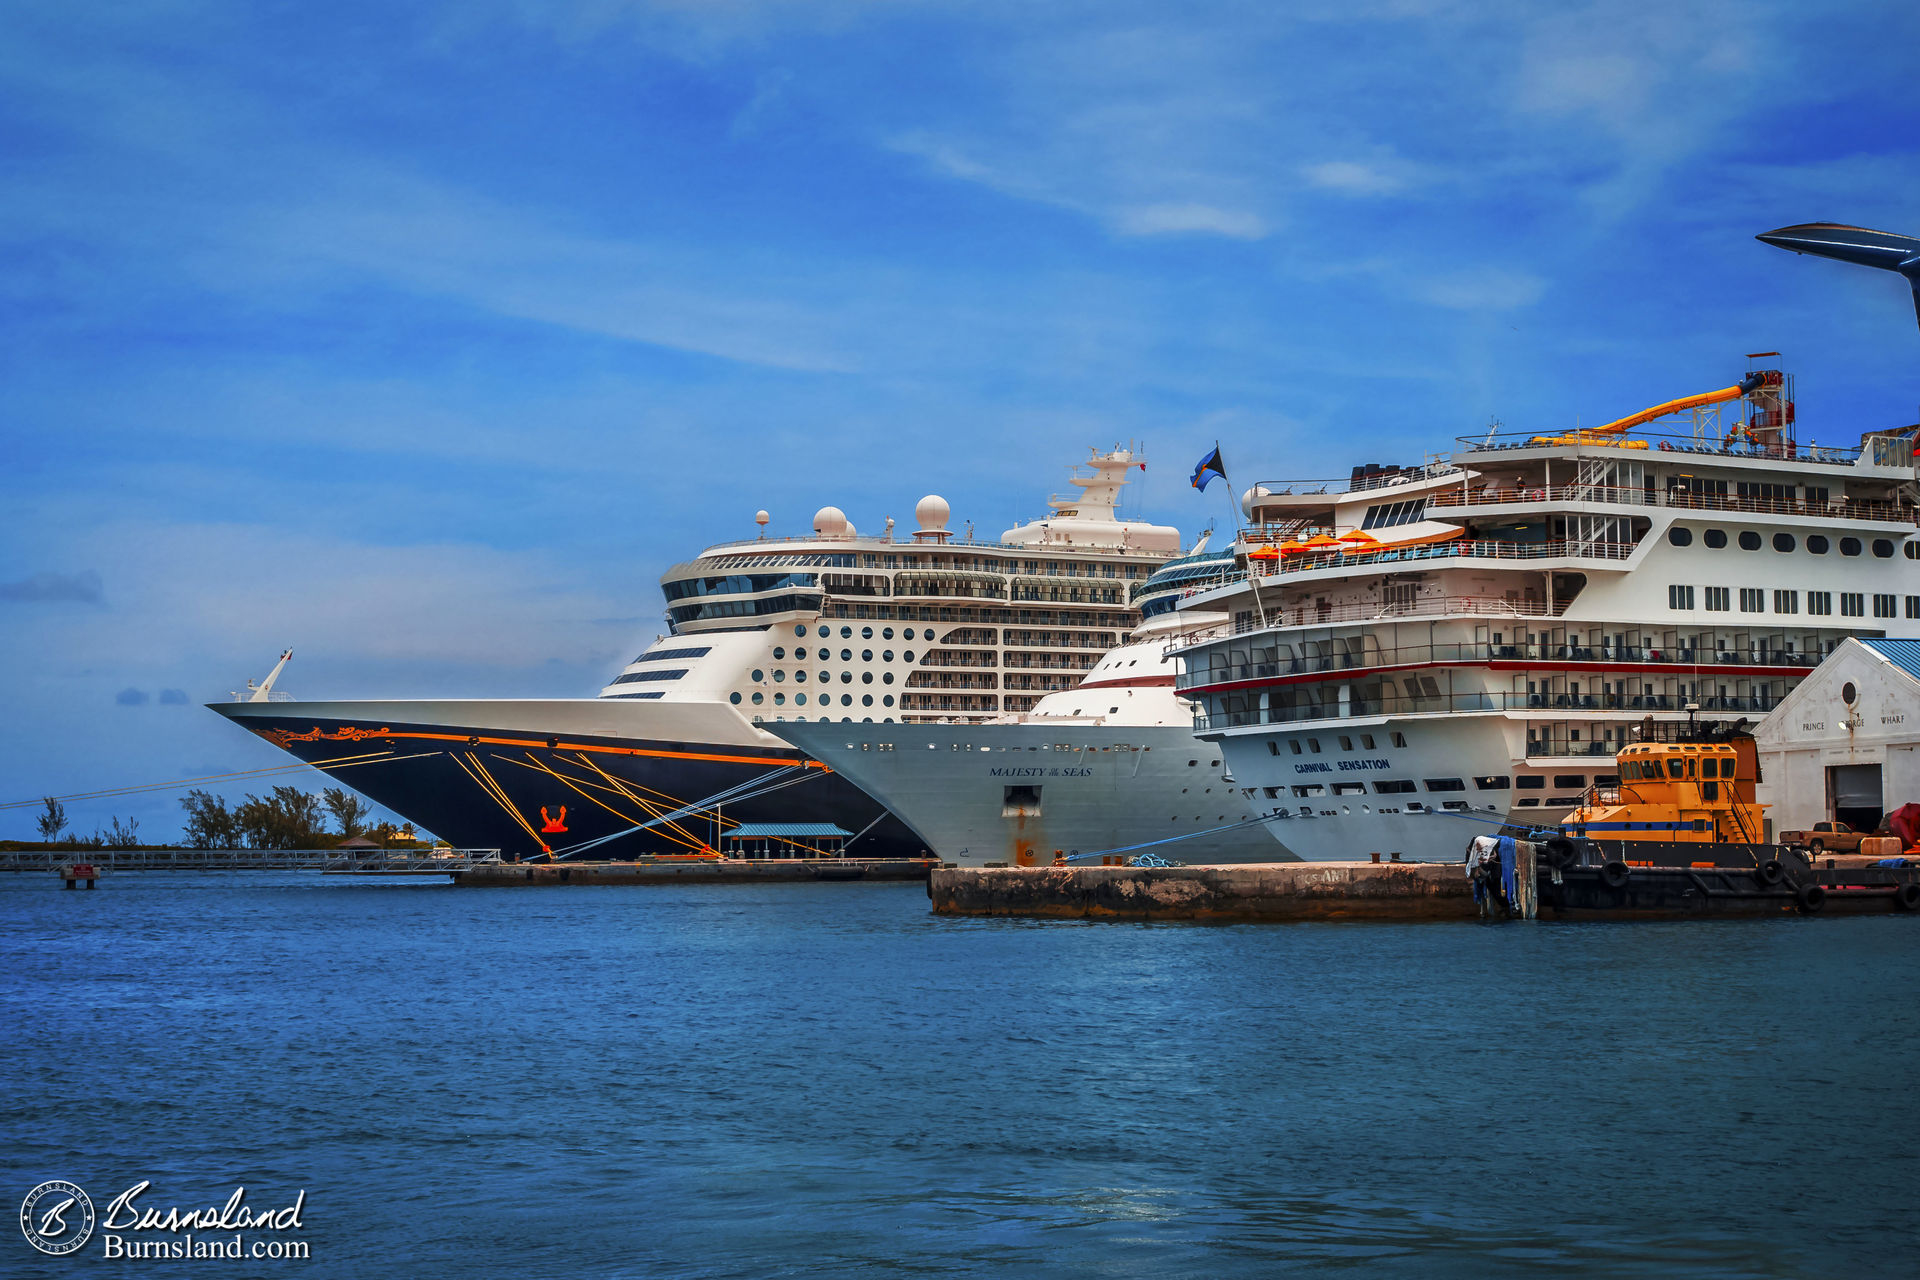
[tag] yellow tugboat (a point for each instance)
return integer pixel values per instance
(1678, 792)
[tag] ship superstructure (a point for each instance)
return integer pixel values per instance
(1479, 635)
(836, 625)
(1110, 765)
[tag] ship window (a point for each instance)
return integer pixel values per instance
(734, 698)
(800, 677)
(1675, 768)
(1346, 743)
(1606, 779)
(907, 634)
(1349, 788)
(886, 677)
(1313, 745)
(846, 633)
(826, 677)
(846, 655)
(1715, 538)
(1445, 784)
(866, 677)
(779, 654)
(846, 699)
(1570, 780)
(1399, 739)
(1680, 536)
(759, 698)
(800, 630)
(886, 633)
(1190, 763)
(1817, 544)
(1749, 540)
(1883, 548)
(866, 700)
(779, 699)
(1849, 546)
(779, 676)
(1784, 542)
(1309, 790)
(1395, 787)
(635, 677)
(1366, 742)
(866, 655)
(799, 699)
(758, 674)
(887, 701)
(907, 656)
(669, 655)
(1295, 744)
(1530, 782)
(1529, 802)
(1496, 783)
(866, 633)
(846, 677)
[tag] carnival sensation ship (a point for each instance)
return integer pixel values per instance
(1423, 653)
(677, 750)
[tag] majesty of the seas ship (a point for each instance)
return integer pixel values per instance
(1421, 654)
(843, 626)
(1109, 767)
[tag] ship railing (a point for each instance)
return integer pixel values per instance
(1544, 653)
(1666, 442)
(897, 545)
(1491, 700)
(1455, 549)
(1682, 499)
(1390, 478)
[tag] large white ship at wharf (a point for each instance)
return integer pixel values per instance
(1477, 636)
(836, 625)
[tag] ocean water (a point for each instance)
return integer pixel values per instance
(825, 1080)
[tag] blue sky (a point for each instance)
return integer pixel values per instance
(423, 341)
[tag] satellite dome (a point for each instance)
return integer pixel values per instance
(850, 531)
(932, 512)
(761, 517)
(1252, 496)
(830, 521)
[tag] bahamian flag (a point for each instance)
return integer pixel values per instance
(1210, 466)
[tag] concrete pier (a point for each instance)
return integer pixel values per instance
(1264, 891)
(697, 871)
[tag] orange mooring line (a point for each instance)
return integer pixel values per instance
(541, 744)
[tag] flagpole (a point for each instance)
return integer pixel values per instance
(1233, 506)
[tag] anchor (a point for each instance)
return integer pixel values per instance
(554, 824)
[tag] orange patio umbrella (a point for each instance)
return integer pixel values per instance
(1292, 547)
(1360, 539)
(1321, 542)
(1264, 552)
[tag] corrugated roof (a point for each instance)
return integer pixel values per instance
(787, 830)
(1904, 654)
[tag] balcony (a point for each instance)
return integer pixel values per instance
(1671, 442)
(1484, 701)
(1457, 549)
(1675, 499)
(1545, 654)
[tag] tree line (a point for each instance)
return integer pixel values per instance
(285, 818)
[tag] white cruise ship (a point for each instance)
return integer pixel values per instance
(840, 625)
(1421, 654)
(1109, 767)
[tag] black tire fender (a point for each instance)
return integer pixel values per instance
(1812, 897)
(1907, 897)
(1615, 875)
(1770, 872)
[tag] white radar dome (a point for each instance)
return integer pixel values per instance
(932, 512)
(1252, 496)
(761, 517)
(830, 522)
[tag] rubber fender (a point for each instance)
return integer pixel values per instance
(1812, 897)
(1907, 897)
(1615, 875)
(1770, 872)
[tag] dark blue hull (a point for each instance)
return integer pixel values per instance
(526, 796)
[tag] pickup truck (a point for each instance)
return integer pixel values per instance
(1826, 837)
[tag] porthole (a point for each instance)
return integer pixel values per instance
(866, 700)
(1912, 550)
(1680, 537)
(799, 699)
(779, 699)
(1818, 545)
(1848, 693)
(1784, 542)
(846, 699)
(758, 674)
(1749, 540)
(1883, 548)
(907, 656)
(886, 677)
(866, 655)
(866, 633)
(887, 701)
(846, 655)
(886, 633)
(779, 653)
(734, 698)
(1849, 546)
(1715, 538)
(779, 676)
(825, 677)
(846, 677)
(800, 630)
(866, 677)
(846, 633)
(886, 655)
(759, 698)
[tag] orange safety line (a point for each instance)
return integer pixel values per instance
(631, 821)
(498, 793)
(336, 762)
(724, 821)
(541, 744)
(652, 811)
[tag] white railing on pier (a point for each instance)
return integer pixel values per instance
(337, 860)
